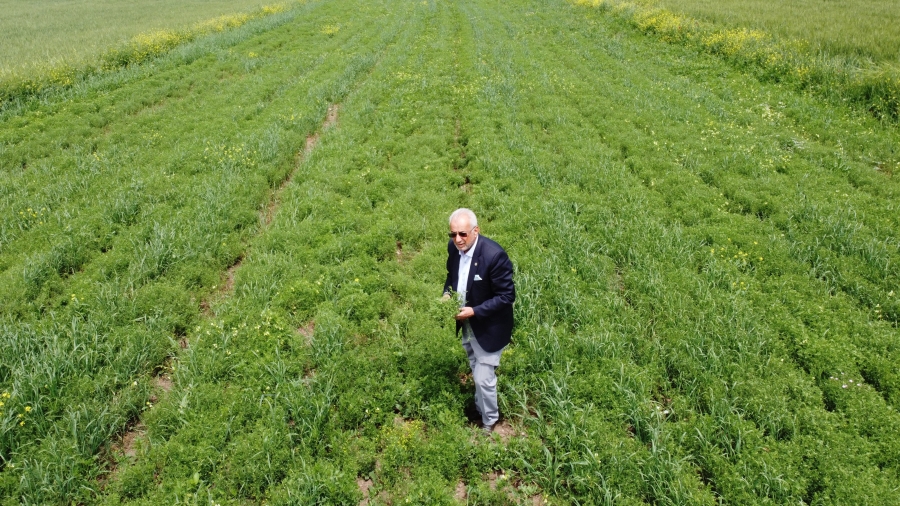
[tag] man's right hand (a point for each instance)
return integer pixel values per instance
(465, 313)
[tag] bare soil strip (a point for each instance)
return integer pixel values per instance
(364, 486)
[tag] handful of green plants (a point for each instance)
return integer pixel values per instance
(445, 308)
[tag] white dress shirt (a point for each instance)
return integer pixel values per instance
(465, 261)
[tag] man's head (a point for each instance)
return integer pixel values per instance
(463, 229)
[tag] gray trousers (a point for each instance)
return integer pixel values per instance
(483, 364)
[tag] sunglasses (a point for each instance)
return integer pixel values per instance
(461, 234)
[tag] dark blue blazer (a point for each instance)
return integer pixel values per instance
(491, 297)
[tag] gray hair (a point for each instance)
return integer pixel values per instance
(473, 221)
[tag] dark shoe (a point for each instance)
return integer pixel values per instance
(472, 413)
(487, 429)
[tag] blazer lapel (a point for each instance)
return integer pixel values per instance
(454, 268)
(473, 267)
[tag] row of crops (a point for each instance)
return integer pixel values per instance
(197, 309)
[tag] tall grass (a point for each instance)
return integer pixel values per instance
(87, 320)
(37, 34)
(707, 310)
(842, 76)
(43, 73)
(864, 29)
(674, 344)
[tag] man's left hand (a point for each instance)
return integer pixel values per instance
(465, 313)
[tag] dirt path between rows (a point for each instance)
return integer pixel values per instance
(126, 446)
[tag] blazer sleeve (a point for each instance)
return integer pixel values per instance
(501, 276)
(448, 283)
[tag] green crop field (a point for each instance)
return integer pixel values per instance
(220, 270)
(37, 32)
(860, 28)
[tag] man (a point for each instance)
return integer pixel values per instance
(482, 274)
